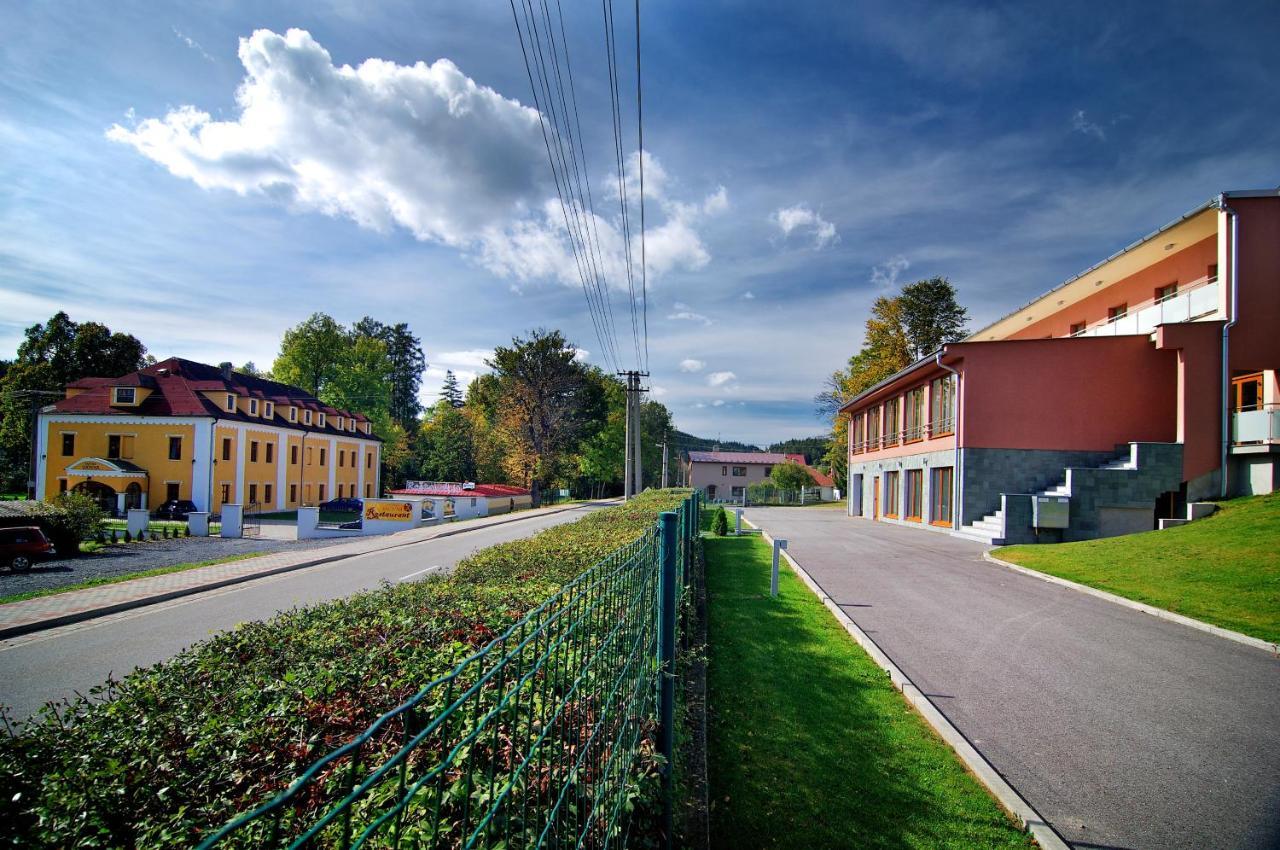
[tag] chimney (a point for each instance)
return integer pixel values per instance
(226, 370)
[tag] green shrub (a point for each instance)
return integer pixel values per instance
(182, 747)
(154, 536)
(720, 523)
(114, 538)
(128, 537)
(186, 532)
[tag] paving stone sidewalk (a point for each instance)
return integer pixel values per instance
(29, 615)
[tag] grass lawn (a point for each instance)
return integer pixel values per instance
(94, 582)
(810, 745)
(1224, 569)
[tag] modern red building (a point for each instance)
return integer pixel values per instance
(1142, 384)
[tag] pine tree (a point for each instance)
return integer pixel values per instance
(451, 392)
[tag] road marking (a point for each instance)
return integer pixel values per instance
(420, 572)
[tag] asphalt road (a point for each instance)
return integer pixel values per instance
(1123, 730)
(56, 663)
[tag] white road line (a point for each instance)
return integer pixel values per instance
(420, 572)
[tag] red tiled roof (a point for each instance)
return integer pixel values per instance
(454, 490)
(742, 457)
(819, 477)
(177, 385)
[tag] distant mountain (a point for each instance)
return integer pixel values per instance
(686, 443)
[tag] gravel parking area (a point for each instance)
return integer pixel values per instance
(126, 558)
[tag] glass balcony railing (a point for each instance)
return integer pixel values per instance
(1261, 425)
(1195, 301)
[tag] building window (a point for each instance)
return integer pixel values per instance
(873, 429)
(339, 490)
(293, 492)
(271, 452)
(942, 406)
(342, 456)
(113, 446)
(320, 490)
(253, 407)
(293, 414)
(226, 448)
(231, 402)
(172, 491)
(737, 493)
(68, 444)
(306, 418)
(1078, 328)
(321, 423)
(351, 425)
(1117, 312)
(322, 457)
(266, 493)
(62, 485)
(891, 495)
(915, 494)
(293, 455)
(941, 483)
(226, 493)
(1246, 392)
(310, 455)
(175, 448)
(891, 436)
(915, 415)
(368, 490)
(739, 472)
(768, 470)
(368, 461)
(124, 395)
(269, 410)
(1164, 293)
(724, 471)
(253, 453)
(253, 494)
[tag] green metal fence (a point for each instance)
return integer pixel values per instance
(549, 736)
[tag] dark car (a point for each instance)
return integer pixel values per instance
(176, 509)
(347, 505)
(23, 546)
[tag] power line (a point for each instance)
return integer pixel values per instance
(615, 105)
(644, 271)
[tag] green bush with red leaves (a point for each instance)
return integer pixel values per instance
(169, 753)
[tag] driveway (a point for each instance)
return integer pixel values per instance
(1124, 731)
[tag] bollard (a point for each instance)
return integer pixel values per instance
(778, 546)
(737, 523)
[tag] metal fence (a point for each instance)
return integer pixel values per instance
(549, 736)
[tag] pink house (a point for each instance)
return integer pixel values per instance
(1142, 384)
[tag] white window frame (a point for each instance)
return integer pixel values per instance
(231, 402)
(321, 423)
(351, 425)
(253, 407)
(293, 413)
(269, 409)
(306, 418)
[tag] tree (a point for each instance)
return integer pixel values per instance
(445, 451)
(813, 448)
(601, 456)
(720, 522)
(931, 316)
(790, 477)
(451, 392)
(52, 355)
(547, 402)
(311, 354)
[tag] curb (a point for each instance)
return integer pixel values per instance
(1005, 795)
(157, 598)
(1161, 613)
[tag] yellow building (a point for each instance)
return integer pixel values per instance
(186, 430)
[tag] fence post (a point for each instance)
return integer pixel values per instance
(778, 546)
(666, 660)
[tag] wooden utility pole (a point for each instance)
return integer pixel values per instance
(664, 464)
(632, 473)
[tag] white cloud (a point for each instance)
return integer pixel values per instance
(581, 355)
(684, 313)
(421, 147)
(193, 44)
(473, 357)
(801, 219)
(718, 403)
(885, 275)
(1083, 125)
(749, 295)
(719, 379)
(691, 365)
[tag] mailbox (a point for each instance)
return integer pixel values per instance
(1050, 511)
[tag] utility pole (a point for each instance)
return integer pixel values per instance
(664, 464)
(632, 474)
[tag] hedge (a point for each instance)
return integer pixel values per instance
(180, 748)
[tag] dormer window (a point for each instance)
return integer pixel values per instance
(321, 420)
(269, 409)
(293, 413)
(351, 425)
(123, 395)
(306, 418)
(366, 427)
(253, 407)
(231, 402)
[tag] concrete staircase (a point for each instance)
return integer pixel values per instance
(992, 529)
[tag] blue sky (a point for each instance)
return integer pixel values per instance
(805, 159)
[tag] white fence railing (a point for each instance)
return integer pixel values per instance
(1198, 300)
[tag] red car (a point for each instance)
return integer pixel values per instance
(21, 547)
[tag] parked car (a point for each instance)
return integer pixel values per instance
(22, 546)
(348, 504)
(175, 509)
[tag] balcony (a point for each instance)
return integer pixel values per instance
(1256, 427)
(1195, 301)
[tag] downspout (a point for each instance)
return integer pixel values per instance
(958, 486)
(1226, 334)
